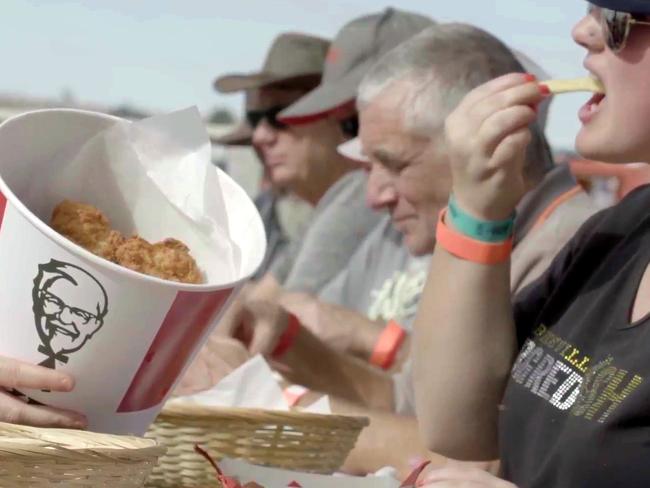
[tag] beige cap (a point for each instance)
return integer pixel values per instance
(293, 58)
(358, 45)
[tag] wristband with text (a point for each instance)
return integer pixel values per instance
(481, 230)
(288, 337)
(387, 345)
(468, 249)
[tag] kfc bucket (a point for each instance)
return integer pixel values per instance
(125, 336)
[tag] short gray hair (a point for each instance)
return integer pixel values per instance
(438, 67)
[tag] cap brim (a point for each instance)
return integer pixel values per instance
(241, 136)
(631, 6)
(241, 82)
(353, 150)
(323, 99)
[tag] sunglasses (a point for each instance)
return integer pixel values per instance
(616, 26)
(255, 117)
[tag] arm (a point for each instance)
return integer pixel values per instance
(389, 440)
(461, 365)
(342, 329)
(313, 364)
(465, 339)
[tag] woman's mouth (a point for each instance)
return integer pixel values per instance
(589, 110)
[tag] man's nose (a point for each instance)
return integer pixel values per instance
(264, 134)
(380, 190)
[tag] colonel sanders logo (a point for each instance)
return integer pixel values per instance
(69, 307)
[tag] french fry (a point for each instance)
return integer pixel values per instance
(576, 85)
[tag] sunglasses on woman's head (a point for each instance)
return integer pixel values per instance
(616, 25)
(254, 117)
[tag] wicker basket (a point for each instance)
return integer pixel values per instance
(34, 458)
(290, 440)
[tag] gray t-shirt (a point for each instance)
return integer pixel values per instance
(277, 241)
(382, 280)
(341, 221)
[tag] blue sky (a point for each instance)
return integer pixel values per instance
(164, 54)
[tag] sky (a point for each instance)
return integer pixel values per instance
(162, 55)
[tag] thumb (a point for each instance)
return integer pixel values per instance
(265, 337)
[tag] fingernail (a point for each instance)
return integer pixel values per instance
(530, 77)
(544, 89)
(66, 383)
(80, 423)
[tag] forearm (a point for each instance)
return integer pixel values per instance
(389, 440)
(464, 346)
(315, 365)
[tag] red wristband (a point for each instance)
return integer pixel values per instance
(387, 345)
(469, 249)
(287, 338)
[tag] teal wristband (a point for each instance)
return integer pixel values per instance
(481, 230)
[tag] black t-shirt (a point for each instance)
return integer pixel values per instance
(576, 412)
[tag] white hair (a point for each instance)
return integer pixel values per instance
(435, 69)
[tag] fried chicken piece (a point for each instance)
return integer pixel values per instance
(86, 226)
(169, 259)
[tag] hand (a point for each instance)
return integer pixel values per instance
(321, 320)
(343, 330)
(256, 323)
(267, 320)
(218, 358)
(486, 137)
(459, 476)
(16, 374)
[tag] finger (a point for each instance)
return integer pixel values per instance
(512, 148)
(502, 124)
(528, 94)
(493, 87)
(265, 337)
(283, 369)
(15, 411)
(18, 374)
(467, 475)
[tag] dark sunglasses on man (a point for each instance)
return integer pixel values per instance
(616, 25)
(349, 125)
(255, 117)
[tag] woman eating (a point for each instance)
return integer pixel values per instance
(557, 383)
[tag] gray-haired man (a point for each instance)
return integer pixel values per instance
(403, 102)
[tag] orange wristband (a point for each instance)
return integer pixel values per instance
(287, 338)
(469, 249)
(387, 345)
(294, 393)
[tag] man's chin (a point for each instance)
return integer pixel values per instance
(416, 245)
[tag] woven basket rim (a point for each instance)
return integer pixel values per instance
(20, 437)
(180, 410)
